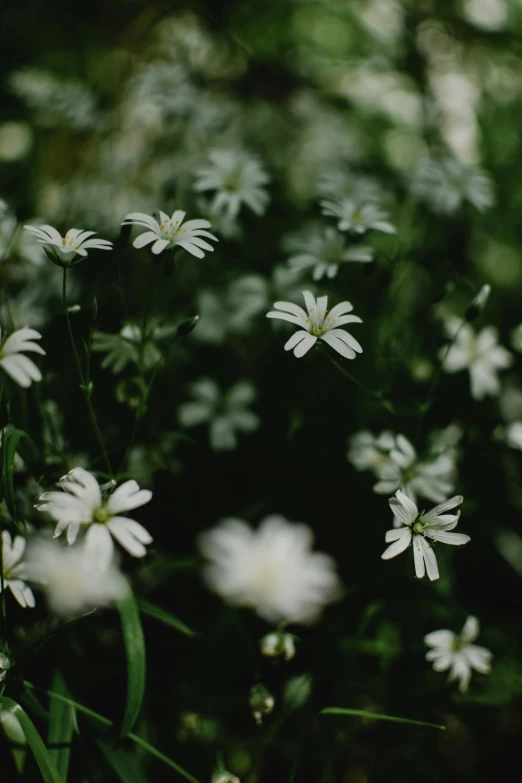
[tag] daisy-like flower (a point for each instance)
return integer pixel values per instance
(457, 653)
(168, 233)
(479, 353)
(369, 452)
(415, 528)
(316, 324)
(238, 179)
(14, 570)
(324, 251)
(271, 569)
(12, 360)
(448, 184)
(64, 250)
(356, 217)
(83, 502)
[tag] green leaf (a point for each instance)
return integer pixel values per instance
(122, 764)
(10, 443)
(152, 610)
(106, 722)
(41, 754)
(61, 727)
(376, 716)
(136, 666)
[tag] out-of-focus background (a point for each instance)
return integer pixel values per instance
(116, 107)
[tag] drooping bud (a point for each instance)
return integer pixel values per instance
(478, 303)
(261, 702)
(224, 776)
(278, 644)
(187, 326)
(4, 666)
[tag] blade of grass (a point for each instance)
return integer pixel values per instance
(61, 727)
(152, 610)
(136, 665)
(36, 744)
(377, 716)
(121, 763)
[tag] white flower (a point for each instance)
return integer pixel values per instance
(12, 360)
(14, 570)
(446, 185)
(225, 412)
(82, 503)
(171, 232)
(71, 581)
(415, 527)
(324, 250)
(223, 776)
(513, 434)
(237, 178)
(369, 452)
(357, 217)
(340, 182)
(478, 353)
(129, 345)
(317, 325)
(278, 643)
(75, 242)
(457, 653)
(271, 569)
(432, 478)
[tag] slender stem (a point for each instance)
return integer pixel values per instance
(85, 390)
(2, 579)
(372, 392)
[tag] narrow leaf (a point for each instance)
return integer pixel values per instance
(106, 722)
(10, 442)
(152, 610)
(136, 665)
(41, 754)
(61, 727)
(121, 763)
(376, 716)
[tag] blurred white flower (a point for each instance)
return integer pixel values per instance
(278, 644)
(415, 527)
(15, 570)
(12, 359)
(340, 183)
(516, 338)
(432, 477)
(71, 581)
(163, 86)
(324, 249)
(58, 102)
(238, 178)
(356, 217)
(446, 185)
(486, 14)
(226, 412)
(317, 325)
(8, 224)
(513, 435)
(129, 345)
(171, 232)
(479, 353)
(457, 653)
(370, 452)
(224, 776)
(75, 242)
(271, 569)
(82, 502)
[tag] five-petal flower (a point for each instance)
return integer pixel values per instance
(457, 653)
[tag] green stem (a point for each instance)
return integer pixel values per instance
(2, 579)
(85, 390)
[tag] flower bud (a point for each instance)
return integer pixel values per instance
(4, 666)
(478, 303)
(223, 776)
(187, 326)
(278, 644)
(261, 702)
(297, 691)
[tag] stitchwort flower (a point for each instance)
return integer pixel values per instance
(83, 502)
(357, 217)
(64, 250)
(317, 325)
(324, 250)
(14, 570)
(237, 178)
(12, 359)
(168, 233)
(415, 528)
(457, 653)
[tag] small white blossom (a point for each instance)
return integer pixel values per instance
(324, 250)
(341, 183)
(81, 502)
(415, 528)
(317, 325)
(278, 644)
(71, 581)
(479, 353)
(457, 653)
(238, 178)
(12, 359)
(171, 232)
(513, 435)
(271, 569)
(129, 345)
(225, 412)
(357, 217)
(14, 570)
(369, 452)
(5, 664)
(75, 242)
(223, 776)
(446, 185)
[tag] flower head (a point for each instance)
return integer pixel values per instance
(237, 178)
(415, 528)
(82, 502)
(356, 217)
(479, 353)
(64, 250)
(19, 367)
(324, 250)
(271, 569)
(168, 233)
(447, 184)
(14, 570)
(316, 324)
(457, 653)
